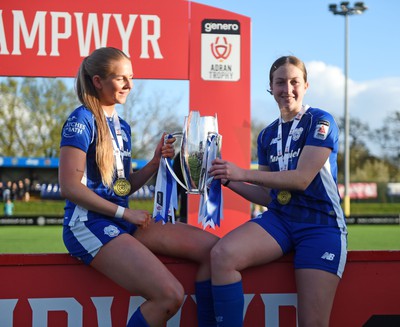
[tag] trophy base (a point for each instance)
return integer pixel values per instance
(193, 191)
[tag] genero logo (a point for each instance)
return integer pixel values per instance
(220, 50)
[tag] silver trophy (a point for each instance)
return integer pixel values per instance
(197, 135)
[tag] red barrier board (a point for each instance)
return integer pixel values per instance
(57, 290)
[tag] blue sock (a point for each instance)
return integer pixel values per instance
(229, 304)
(205, 304)
(137, 320)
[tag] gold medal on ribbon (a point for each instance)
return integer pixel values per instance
(122, 187)
(284, 197)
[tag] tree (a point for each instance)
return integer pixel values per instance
(359, 137)
(10, 110)
(256, 128)
(372, 170)
(149, 117)
(388, 137)
(365, 167)
(32, 111)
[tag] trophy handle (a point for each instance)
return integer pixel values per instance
(175, 134)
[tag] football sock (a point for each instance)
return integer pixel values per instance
(229, 304)
(205, 305)
(137, 320)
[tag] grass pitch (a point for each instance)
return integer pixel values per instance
(48, 239)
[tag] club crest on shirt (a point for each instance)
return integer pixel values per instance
(111, 231)
(296, 133)
(321, 130)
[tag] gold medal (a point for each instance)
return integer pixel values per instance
(122, 187)
(284, 197)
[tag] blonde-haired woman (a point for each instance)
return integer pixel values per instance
(96, 178)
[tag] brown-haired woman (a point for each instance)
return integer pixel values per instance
(296, 181)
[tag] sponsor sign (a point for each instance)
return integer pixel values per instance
(39, 162)
(393, 189)
(360, 190)
(50, 38)
(220, 50)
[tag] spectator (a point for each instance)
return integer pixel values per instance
(27, 189)
(1, 189)
(7, 191)
(14, 191)
(20, 190)
(8, 208)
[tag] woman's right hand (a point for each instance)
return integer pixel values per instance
(141, 218)
(224, 170)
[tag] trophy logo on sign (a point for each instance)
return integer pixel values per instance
(200, 145)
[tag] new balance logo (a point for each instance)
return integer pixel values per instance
(219, 319)
(328, 256)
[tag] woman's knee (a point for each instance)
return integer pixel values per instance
(221, 255)
(171, 297)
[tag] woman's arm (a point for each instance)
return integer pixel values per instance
(312, 159)
(141, 177)
(71, 170)
(70, 173)
(254, 193)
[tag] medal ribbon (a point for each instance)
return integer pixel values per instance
(210, 206)
(283, 158)
(118, 147)
(166, 196)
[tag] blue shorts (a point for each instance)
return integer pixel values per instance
(85, 238)
(315, 246)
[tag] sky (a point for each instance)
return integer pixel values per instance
(308, 30)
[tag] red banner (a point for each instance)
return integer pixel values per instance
(50, 38)
(360, 190)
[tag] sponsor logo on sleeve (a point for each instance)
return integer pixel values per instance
(321, 130)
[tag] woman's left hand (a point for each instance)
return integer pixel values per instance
(165, 147)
